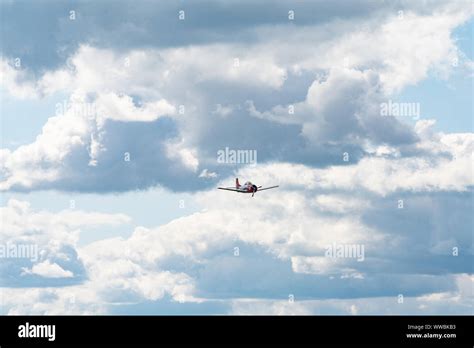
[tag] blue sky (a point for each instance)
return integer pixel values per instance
(152, 235)
(448, 101)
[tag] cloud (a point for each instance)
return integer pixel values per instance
(287, 243)
(74, 146)
(131, 27)
(207, 174)
(128, 27)
(346, 107)
(446, 303)
(169, 102)
(58, 262)
(145, 109)
(48, 270)
(280, 252)
(446, 167)
(41, 245)
(279, 248)
(16, 81)
(122, 108)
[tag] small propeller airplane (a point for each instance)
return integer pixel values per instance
(248, 187)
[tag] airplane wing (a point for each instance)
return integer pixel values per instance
(229, 189)
(268, 188)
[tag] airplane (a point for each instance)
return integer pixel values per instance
(248, 187)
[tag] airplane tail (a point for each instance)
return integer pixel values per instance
(237, 185)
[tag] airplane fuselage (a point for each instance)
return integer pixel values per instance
(248, 187)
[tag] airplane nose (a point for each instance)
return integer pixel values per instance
(255, 188)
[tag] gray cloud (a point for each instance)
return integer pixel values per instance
(44, 36)
(336, 108)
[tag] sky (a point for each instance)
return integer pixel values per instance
(113, 115)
